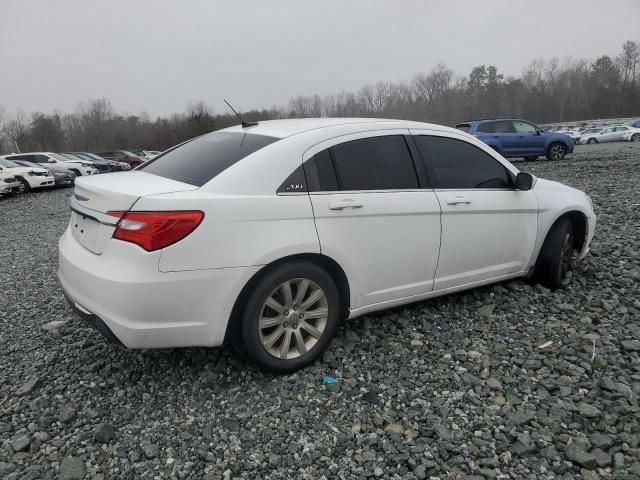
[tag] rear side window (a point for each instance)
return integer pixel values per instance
(198, 161)
(376, 163)
(499, 126)
(461, 165)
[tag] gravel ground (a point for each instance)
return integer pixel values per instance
(507, 381)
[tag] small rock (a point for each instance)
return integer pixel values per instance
(6, 469)
(520, 417)
(486, 310)
(151, 451)
(494, 383)
(378, 472)
(631, 345)
(394, 428)
(443, 433)
(618, 461)
(600, 440)
(588, 411)
(71, 468)
(577, 455)
(29, 386)
(54, 325)
(371, 397)
(588, 474)
(67, 413)
(104, 433)
(21, 443)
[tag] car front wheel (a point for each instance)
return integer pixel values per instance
(635, 137)
(290, 317)
(554, 260)
(24, 185)
(591, 141)
(556, 151)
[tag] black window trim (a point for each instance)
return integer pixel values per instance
(422, 176)
(432, 174)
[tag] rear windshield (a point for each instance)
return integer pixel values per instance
(464, 127)
(198, 161)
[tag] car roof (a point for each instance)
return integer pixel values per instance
(288, 127)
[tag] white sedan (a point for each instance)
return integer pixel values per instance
(28, 178)
(268, 235)
(78, 167)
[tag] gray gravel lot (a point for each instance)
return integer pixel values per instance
(507, 381)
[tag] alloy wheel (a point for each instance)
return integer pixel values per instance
(293, 318)
(557, 152)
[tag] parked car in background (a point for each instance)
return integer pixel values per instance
(117, 166)
(102, 167)
(146, 154)
(513, 137)
(29, 178)
(78, 167)
(636, 124)
(262, 235)
(8, 182)
(122, 156)
(633, 135)
(62, 176)
(615, 133)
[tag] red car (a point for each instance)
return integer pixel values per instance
(122, 156)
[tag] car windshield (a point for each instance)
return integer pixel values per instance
(8, 163)
(198, 161)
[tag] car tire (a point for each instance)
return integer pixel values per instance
(554, 260)
(531, 158)
(556, 151)
(76, 171)
(635, 137)
(24, 185)
(592, 141)
(274, 332)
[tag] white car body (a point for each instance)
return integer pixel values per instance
(8, 183)
(35, 177)
(611, 133)
(78, 167)
(394, 246)
(632, 134)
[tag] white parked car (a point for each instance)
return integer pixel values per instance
(614, 133)
(78, 167)
(268, 235)
(29, 178)
(8, 183)
(632, 134)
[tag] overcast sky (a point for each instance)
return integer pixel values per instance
(157, 55)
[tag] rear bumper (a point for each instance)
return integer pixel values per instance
(142, 307)
(92, 320)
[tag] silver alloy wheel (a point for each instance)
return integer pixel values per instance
(293, 318)
(557, 152)
(22, 187)
(635, 137)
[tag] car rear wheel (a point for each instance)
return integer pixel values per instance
(24, 185)
(591, 141)
(554, 260)
(635, 137)
(76, 171)
(531, 158)
(556, 151)
(290, 317)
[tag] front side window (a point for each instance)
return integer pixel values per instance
(524, 127)
(198, 161)
(461, 165)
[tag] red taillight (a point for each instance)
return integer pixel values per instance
(155, 230)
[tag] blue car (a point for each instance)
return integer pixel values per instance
(513, 137)
(636, 124)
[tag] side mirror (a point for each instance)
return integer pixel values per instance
(524, 181)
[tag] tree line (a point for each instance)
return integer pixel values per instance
(546, 91)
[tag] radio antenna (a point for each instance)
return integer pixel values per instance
(243, 123)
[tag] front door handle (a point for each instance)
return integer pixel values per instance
(342, 204)
(458, 199)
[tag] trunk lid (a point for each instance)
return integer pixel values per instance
(94, 196)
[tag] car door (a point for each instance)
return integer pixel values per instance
(618, 134)
(488, 228)
(606, 135)
(375, 214)
(502, 134)
(529, 137)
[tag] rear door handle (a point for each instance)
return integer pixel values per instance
(458, 199)
(342, 204)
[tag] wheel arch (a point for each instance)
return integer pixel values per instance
(325, 262)
(580, 227)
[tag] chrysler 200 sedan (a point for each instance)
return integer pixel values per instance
(268, 234)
